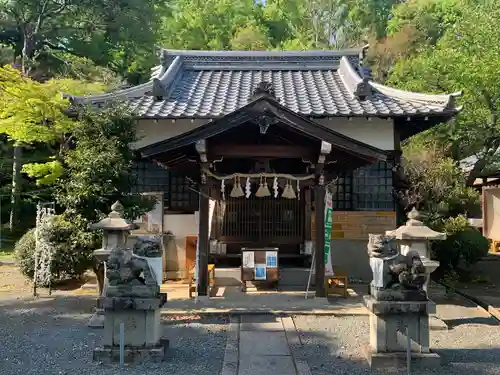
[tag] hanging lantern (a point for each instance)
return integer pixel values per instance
(263, 190)
(237, 191)
(248, 188)
(298, 190)
(275, 187)
(288, 192)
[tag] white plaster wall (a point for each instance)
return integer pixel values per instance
(181, 226)
(376, 132)
(153, 131)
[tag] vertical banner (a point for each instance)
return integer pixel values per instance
(328, 233)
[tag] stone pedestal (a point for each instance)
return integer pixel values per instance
(388, 338)
(142, 334)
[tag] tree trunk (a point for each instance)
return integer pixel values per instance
(16, 186)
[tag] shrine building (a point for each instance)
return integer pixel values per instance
(243, 145)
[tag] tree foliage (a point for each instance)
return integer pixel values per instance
(463, 247)
(98, 169)
(34, 113)
(279, 24)
(120, 34)
(435, 185)
(465, 58)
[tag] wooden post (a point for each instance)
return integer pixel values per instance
(308, 223)
(203, 242)
(319, 197)
(307, 214)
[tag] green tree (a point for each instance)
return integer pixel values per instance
(206, 25)
(98, 168)
(32, 113)
(411, 26)
(97, 29)
(120, 34)
(465, 58)
(250, 38)
(435, 184)
(432, 18)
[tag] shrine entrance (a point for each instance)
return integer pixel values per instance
(261, 222)
(261, 168)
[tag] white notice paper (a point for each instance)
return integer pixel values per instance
(248, 259)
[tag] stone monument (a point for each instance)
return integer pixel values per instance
(116, 230)
(133, 299)
(398, 306)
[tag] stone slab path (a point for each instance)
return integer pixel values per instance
(263, 345)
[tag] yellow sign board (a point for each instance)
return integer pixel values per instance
(356, 225)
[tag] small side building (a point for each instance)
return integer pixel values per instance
(210, 120)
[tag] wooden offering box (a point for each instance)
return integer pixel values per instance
(259, 266)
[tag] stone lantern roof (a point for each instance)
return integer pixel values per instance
(415, 230)
(114, 221)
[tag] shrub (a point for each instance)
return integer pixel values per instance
(464, 245)
(24, 251)
(72, 249)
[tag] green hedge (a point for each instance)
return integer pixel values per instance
(72, 249)
(464, 245)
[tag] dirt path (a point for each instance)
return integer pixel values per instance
(13, 284)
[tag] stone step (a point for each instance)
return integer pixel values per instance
(296, 277)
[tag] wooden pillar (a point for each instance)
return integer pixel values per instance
(307, 214)
(319, 198)
(203, 241)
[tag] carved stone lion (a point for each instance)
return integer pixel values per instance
(409, 272)
(379, 245)
(129, 276)
(148, 247)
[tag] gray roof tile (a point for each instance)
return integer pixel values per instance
(316, 83)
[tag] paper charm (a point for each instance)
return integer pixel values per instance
(248, 188)
(275, 187)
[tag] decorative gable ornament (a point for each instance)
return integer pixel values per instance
(264, 88)
(158, 91)
(265, 122)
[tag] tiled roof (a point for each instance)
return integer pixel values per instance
(203, 84)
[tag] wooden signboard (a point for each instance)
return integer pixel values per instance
(259, 265)
(356, 225)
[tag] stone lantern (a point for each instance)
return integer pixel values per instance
(398, 304)
(116, 230)
(415, 236)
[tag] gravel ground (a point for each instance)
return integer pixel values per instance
(50, 336)
(332, 346)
